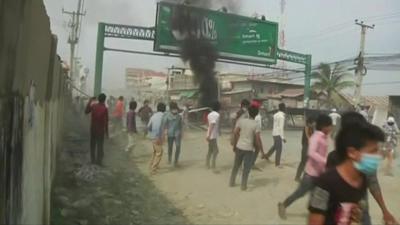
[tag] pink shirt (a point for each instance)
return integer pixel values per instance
(317, 154)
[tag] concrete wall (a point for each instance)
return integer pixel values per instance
(32, 93)
(394, 108)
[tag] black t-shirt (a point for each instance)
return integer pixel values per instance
(332, 160)
(331, 193)
(372, 180)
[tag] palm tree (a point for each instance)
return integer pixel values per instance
(331, 80)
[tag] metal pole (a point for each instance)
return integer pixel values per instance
(219, 87)
(78, 19)
(307, 82)
(71, 61)
(99, 59)
(219, 60)
(168, 83)
(360, 67)
(72, 43)
(74, 38)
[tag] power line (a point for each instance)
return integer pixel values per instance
(381, 16)
(322, 36)
(383, 83)
(341, 25)
(219, 60)
(338, 29)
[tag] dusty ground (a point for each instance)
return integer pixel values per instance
(205, 198)
(118, 194)
(190, 194)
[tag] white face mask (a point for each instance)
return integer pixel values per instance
(174, 111)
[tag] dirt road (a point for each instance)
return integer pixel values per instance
(124, 193)
(117, 194)
(205, 198)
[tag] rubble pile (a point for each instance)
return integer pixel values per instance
(91, 173)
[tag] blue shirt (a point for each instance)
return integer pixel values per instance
(173, 123)
(155, 125)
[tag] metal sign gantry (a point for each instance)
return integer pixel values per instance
(107, 30)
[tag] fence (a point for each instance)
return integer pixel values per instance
(32, 95)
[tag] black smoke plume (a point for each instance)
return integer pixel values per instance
(198, 51)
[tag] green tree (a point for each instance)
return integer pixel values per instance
(331, 80)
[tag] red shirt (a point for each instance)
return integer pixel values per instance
(99, 114)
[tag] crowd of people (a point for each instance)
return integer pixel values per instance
(338, 181)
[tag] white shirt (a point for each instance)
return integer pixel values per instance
(245, 115)
(258, 119)
(334, 116)
(279, 124)
(248, 130)
(364, 114)
(213, 118)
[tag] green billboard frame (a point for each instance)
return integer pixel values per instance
(108, 30)
(234, 36)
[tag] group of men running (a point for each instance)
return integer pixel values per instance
(338, 181)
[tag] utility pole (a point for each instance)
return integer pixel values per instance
(75, 25)
(360, 69)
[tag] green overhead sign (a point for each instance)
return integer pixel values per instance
(235, 37)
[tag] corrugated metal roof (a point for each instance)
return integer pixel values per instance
(274, 81)
(132, 72)
(382, 101)
(236, 92)
(292, 93)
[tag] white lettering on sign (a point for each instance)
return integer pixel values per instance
(204, 29)
(208, 29)
(291, 57)
(248, 36)
(261, 53)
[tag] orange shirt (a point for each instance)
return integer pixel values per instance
(119, 109)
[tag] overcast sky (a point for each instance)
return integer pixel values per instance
(322, 28)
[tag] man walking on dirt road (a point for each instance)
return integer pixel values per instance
(277, 134)
(145, 112)
(155, 128)
(212, 135)
(316, 162)
(174, 127)
(98, 128)
(246, 137)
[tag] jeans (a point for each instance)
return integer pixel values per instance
(306, 185)
(96, 148)
(302, 164)
(255, 155)
(247, 158)
(366, 218)
(171, 141)
(277, 146)
(212, 153)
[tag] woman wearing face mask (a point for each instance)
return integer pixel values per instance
(391, 130)
(338, 197)
(174, 126)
